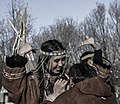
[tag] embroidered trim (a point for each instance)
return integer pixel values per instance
(53, 53)
(103, 98)
(13, 76)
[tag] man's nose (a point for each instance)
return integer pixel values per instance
(60, 63)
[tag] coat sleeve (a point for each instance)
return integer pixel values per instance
(22, 88)
(14, 79)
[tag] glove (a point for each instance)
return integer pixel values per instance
(16, 61)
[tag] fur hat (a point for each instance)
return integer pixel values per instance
(87, 55)
(97, 58)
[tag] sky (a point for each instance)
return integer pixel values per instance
(45, 12)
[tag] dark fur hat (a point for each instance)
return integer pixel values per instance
(87, 55)
(97, 58)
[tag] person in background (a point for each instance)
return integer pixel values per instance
(31, 87)
(101, 64)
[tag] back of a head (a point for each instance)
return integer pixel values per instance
(79, 72)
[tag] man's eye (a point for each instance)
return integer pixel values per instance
(63, 59)
(57, 60)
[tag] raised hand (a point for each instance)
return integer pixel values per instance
(59, 87)
(89, 41)
(25, 48)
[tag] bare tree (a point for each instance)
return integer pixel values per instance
(114, 31)
(15, 12)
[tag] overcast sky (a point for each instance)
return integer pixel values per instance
(46, 11)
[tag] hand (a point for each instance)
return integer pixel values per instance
(89, 41)
(59, 87)
(25, 48)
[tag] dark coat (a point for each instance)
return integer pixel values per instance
(89, 91)
(22, 88)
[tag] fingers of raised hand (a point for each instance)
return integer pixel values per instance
(61, 82)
